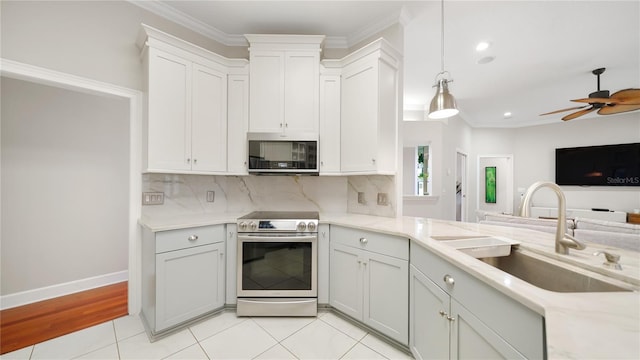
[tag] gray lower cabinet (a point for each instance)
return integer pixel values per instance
(368, 279)
(183, 275)
(455, 316)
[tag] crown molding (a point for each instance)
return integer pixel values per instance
(331, 42)
(374, 28)
(170, 13)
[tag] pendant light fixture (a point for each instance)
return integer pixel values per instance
(443, 104)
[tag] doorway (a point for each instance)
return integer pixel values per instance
(20, 71)
(461, 186)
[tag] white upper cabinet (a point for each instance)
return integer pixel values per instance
(237, 123)
(369, 109)
(186, 128)
(329, 121)
(284, 73)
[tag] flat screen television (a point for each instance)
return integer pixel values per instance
(605, 165)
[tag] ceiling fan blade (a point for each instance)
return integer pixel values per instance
(598, 100)
(578, 114)
(563, 110)
(627, 96)
(616, 109)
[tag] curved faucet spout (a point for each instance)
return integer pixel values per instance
(563, 240)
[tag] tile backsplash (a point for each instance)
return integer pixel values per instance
(187, 194)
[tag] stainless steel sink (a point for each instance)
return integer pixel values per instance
(553, 275)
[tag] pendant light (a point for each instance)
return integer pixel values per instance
(443, 104)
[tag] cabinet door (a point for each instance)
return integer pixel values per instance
(471, 338)
(323, 263)
(345, 280)
(208, 120)
(237, 123)
(359, 129)
(266, 91)
(169, 111)
(329, 124)
(189, 283)
(428, 329)
(301, 92)
(385, 282)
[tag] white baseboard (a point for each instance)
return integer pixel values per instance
(49, 292)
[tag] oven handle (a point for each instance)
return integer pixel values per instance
(275, 238)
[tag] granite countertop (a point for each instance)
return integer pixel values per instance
(578, 325)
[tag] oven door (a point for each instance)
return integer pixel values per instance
(272, 265)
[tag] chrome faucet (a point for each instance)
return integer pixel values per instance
(563, 240)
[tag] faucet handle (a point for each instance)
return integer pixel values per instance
(612, 259)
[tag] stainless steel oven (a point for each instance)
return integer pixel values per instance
(277, 264)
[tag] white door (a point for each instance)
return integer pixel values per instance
(429, 330)
(189, 283)
(301, 92)
(359, 117)
(345, 280)
(385, 282)
(461, 186)
(237, 123)
(329, 124)
(472, 339)
(266, 91)
(169, 112)
(208, 120)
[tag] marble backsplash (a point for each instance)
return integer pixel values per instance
(187, 194)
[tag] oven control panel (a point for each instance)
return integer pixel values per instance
(278, 226)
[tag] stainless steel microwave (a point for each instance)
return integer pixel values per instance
(277, 153)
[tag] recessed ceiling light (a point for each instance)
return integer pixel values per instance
(507, 115)
(486, 59)
(482, 46)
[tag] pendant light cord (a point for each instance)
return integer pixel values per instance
(442, 37)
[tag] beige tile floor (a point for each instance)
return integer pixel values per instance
(224, 336)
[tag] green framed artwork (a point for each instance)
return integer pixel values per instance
(490, 184)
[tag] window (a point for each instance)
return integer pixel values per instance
(417, 170)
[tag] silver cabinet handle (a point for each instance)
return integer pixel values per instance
(443, 313)
(448, 279)
(195, 161)
(452, 319)
(363, 240)
(188, 160)
(193, 238)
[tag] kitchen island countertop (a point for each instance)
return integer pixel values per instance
(578, 325)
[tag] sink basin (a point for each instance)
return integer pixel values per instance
(552, 275)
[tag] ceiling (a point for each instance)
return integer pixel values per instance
(544, 50)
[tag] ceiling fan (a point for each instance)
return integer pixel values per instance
(619, 102)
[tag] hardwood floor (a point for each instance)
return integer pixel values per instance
(34, 323)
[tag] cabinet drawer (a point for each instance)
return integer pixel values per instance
(383, 244)
(189, 237)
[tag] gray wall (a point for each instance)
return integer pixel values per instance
(93, 39)
(65, 180)
(533, 157)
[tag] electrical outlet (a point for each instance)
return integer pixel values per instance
(383, 199)
(361, 199)
(152, 198)
(211, 196)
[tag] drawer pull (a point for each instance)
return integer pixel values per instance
(452, 319)
(448, 279)
(193, 237)
(443, 313)
(363, 240)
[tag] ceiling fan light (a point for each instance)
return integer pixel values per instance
(443, 105)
